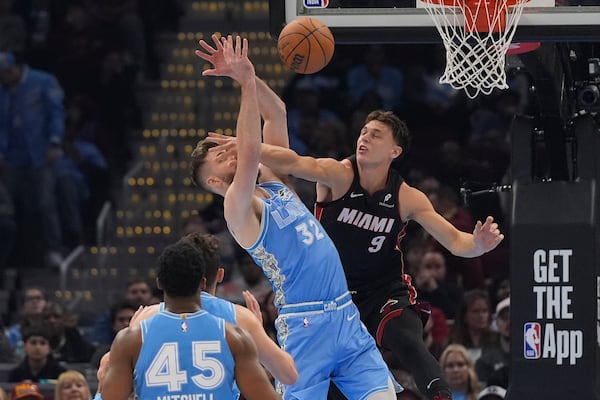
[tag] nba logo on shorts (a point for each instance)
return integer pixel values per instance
(316, 3)
(531, 341)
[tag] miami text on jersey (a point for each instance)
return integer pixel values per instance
(366, 221)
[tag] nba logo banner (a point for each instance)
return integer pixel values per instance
(532, 341)
(316, 3)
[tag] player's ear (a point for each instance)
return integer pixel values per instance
(220, 275)
(397, 151)
(158, 285)
(213, 182)
(203, 284)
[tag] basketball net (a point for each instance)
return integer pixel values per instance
(476, 35)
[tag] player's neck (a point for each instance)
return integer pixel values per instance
(182, 305)
(373, 177)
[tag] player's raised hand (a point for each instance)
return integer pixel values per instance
(236, 57)
(227, 144)
(214, 55)
(487, 235)
(252, 305)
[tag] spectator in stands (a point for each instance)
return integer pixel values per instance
(472, 326)
(33, 303)
(8, 227)
(467, 272)
(7, 353)
(12, 29)
(26, 390)
(435, 332)
(313, 128)
(376, 76)
(248, 276)
(120, 315)
(138, 293)
(494, 364)
(431, 284)
(68, 344)
(31, 130)
(72, 385)
(39, 364)
(82, 178)
(492, 393)
(3, 395)
(459, 372)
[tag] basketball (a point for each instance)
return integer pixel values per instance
(305, 45)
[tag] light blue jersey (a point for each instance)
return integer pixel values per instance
(216, 306)
(318, 323)
(295, 252)
(219, 307)
(184, 356)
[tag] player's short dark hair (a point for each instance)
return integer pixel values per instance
(208, 245)
(180, 270)
(198, 159)
(400, 130)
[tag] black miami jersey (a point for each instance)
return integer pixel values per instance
(366, 230)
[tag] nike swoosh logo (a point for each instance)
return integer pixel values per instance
(430, 383)
(351, 317)
(353, 195)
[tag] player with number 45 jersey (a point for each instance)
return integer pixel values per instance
(183, 352)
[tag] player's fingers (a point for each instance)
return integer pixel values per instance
(207, 47)
(217, 42)
(203, 55)
(238, 46)
(245, 47)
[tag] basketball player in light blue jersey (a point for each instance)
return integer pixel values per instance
(318, 324)
(278, 362)
(183, 351)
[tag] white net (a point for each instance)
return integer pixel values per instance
(476, 35)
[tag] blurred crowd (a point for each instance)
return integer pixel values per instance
(68, 73)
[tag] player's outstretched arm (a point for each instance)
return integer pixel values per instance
(279, 362)
(118, 379)
(326, 171)
(416, 206)
(249, 374)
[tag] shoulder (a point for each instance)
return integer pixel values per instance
(238, 339)
(128, 337)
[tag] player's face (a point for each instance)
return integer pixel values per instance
(220, 165)
(376, 143)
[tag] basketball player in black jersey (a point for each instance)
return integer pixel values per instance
(365, 205)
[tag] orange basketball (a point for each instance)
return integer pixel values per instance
(305, 45)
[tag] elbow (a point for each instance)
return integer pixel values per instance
(290, 376)
(281, 108)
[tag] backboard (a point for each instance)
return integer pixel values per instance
(405, 21)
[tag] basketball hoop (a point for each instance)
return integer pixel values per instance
(476, 34)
